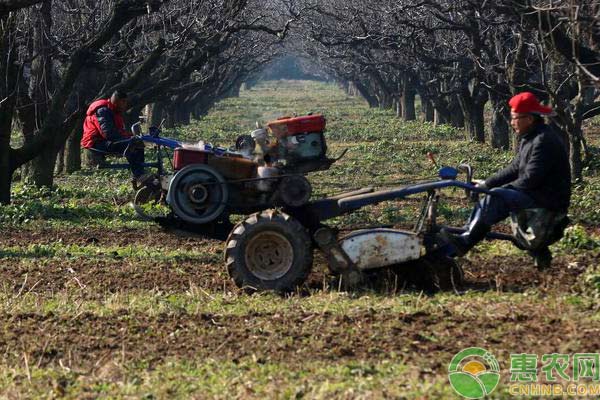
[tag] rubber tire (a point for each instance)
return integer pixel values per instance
(278, 222)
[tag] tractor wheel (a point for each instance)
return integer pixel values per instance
(198, 194)
(269, 250)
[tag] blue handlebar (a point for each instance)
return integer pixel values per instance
(173, 144)
(362, 200)
(170, 143)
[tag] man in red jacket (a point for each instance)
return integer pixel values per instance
(104, 131)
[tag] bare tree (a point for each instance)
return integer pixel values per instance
(55, 125)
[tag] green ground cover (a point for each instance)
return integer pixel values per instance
(97, 303)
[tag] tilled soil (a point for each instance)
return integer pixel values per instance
(152, 237)
(517, 273)
(83, 342)
(95, 277)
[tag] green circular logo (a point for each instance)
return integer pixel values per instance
(474, 373)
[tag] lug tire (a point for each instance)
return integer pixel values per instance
(269, 250)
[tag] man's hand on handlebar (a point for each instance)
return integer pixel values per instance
(479, 183)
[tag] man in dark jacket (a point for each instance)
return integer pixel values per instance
(538, 177)
(104, 131)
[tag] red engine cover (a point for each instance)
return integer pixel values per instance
(288, 126)
(185, 157)
(231, 166)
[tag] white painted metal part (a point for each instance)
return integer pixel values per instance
(375, 248)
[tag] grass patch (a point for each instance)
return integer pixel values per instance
(78, 266)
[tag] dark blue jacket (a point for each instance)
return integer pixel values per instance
(541, 169)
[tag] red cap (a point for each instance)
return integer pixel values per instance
(527, 103)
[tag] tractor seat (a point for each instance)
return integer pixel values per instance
(536, 228)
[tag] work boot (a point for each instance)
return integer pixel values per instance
(465, 242)
(458, 242)
(542, 258)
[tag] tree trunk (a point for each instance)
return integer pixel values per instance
(352, 92)
(185, 116)
(500, 136)
(441, 117)
(366, 94)
(235, 91)
(382, 91)
(148, 111)
(158, 113)
(73, 150)
(385, 100)
(5, 168)
(170, 117)
(575, 152)
(251, 83)
(8, 72)
(473, 112)
(427, 109)
(442, 113)
(398, 108)
(408, 99)
(201, 108)
(197, 111)
(182, 114)
(475, 124)
(457, 117)
(42, 168)
(26, 117)
(60, 161)
(442, 110)
(408, 107)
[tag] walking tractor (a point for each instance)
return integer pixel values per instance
(263, 170)
(273, 249)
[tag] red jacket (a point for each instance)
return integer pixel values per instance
(92, 127)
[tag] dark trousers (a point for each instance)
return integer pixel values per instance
(134, 154)
(492, 209)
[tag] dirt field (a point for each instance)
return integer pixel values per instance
(122, 309)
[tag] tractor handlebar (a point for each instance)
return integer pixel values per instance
(361, 200)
